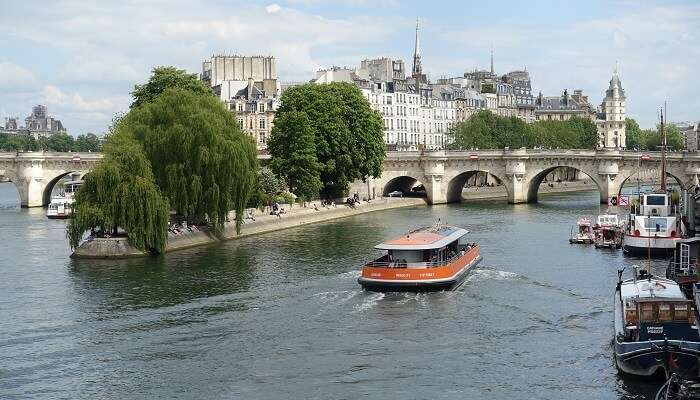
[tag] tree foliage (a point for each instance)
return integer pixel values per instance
(167, 78)
(486, 130)
(650, 139)
(121, 193)
(200, 159)
(178, 149)
(56, 142)
(348, 134)
(267, 186)
(294, 137)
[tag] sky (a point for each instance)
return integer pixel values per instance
(83, 58)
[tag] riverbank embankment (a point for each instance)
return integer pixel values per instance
(118, 247)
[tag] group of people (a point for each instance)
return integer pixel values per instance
(181, 227)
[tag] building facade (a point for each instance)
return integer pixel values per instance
(611, 116)
(249, 88)
(37, 124)
(559, 108)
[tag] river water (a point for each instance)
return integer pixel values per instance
(281, 315)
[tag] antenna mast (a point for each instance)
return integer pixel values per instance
(663, 151)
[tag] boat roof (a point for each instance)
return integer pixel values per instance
(654, 288)
(424, 238)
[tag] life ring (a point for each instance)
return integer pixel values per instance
(660, 284)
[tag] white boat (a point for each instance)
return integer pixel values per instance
(584, 234)
(608, 221)
(61, 206)
(655, 229)
(657, 225)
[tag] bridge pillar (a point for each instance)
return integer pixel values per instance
(31, 184)
(609, 184)
(516, 183)
(434, 170)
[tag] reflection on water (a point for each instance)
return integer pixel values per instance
(281, 315)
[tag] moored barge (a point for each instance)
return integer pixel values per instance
(434, 258)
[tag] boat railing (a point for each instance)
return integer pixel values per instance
(383, 262)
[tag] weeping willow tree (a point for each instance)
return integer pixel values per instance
(181, 151)
(121, 193)
(200, 159)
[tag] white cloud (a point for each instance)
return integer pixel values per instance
(16, 78)
(273, 8)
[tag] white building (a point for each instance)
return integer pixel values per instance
(611, 118)
(250, 89)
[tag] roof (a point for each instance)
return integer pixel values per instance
(424, 238)
(651, 288)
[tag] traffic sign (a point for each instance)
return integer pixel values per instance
(612, 201)
(645, 157)
(623, 201)
(473, 156)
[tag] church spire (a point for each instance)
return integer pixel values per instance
(417, 67)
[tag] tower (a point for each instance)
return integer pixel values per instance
(491, 59)
(612, 128)
(417, 67)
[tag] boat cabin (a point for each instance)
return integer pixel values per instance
(424, 248)
(608, 220)
(655, 308)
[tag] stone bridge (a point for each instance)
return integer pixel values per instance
(444, 173)
(35, 173)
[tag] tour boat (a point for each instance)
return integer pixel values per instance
(61, 206)
(433, 258)
(585, 232)
(655, 327)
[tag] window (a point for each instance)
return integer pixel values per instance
(648, 312)
(240, 107)
(262, 123)
(680, 312)
(664, 312)
(655, 200)
(261, 107)
(240, 123)
(655, 223)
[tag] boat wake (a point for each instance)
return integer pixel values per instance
(350, 274)
(481, 274)
(370, 301)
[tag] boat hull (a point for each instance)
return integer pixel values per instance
(645, 359)
(644, 244)
(419, 279)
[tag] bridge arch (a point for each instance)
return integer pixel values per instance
(51, 184)
(456, 185)
(538, 177)
(404, 184)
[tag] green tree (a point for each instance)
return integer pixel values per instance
(652, 138)
(121, 193)
(60, 142)
(585, 131)
(487, 88)
(267, 186)
(167, 78)
(200, 159)
(633, 134)
(348, 134)
(294, 154)
(87, 143)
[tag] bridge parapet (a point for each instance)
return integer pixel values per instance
(522, 170)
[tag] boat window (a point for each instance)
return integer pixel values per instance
(648, 312)
(665, 312)
(651, 223)
(631, 317)
(680, 312)
(656, 200)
